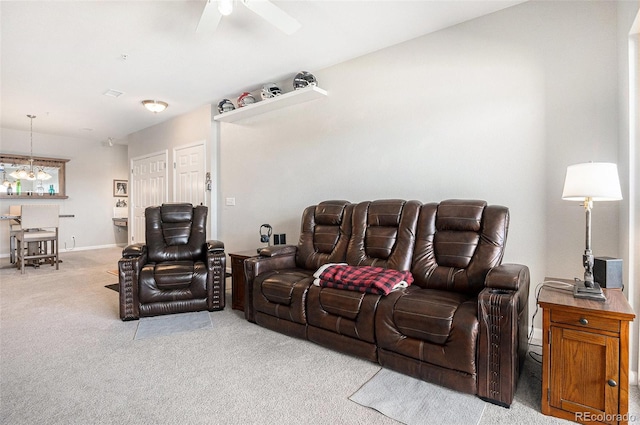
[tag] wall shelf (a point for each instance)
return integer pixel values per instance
(292, 98)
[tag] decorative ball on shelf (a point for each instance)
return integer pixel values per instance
(245, 99)
(304, 79)
(225, 105)
(270, 90)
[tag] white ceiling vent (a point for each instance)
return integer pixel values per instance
(113, 93)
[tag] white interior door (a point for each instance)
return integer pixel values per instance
(189, 174)
(149, 186)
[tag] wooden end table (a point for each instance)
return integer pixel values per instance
(585, 356)
(237, 277)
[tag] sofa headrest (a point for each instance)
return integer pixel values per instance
(386, 212)
(176, 213)
(458, 242)
(383, 233)
(175, 232)
(460, 215)
(324, 234)
(330, 212)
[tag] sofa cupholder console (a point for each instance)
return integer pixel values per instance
(461, 322)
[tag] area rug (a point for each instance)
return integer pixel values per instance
(412, 401)
(152, 327)
(113, 286)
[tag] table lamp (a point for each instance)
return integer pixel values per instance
(592, 181)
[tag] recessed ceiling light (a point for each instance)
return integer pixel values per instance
(113, 93)
(86, 129)
(155, 106)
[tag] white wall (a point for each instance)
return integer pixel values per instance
(495, 108)
(90, 172)
(183, 130)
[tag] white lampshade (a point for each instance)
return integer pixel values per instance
(596, 180)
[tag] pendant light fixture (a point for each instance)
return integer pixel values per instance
(29, 173)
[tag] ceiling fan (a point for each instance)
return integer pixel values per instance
(214, 10)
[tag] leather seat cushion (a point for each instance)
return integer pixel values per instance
(427, 315)
(173, 275)
(172, 281)
(348, 313)
(278, 287)
(341, 303)
(459, 350)
(283, 294)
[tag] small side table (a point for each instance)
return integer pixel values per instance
(585, 356)
(237, 277)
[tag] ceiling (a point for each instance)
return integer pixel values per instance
(58, 58)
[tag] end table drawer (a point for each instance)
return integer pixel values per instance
(587, 321)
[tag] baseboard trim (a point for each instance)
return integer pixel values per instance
(90, 248)
(80, 248)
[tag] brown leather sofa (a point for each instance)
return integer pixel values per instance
(461, 324)
(177, 270)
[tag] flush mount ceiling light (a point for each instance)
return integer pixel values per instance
(155, 106)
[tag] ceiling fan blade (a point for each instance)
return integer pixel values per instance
(274, 15)
(210, 17)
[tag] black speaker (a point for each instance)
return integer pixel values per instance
(607, 272)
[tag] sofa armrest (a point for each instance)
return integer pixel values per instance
(253, 267)
(134, 257)
(216, 275)
(134, 250)
(215, 246)
(507, 276)
(503, 343)
(274, 251)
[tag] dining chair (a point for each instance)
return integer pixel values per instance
(38, 231)
(14, 227)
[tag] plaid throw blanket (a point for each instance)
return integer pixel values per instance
(368, 279)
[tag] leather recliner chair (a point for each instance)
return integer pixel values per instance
(177, 270)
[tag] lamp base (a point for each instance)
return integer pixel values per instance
(580, 290)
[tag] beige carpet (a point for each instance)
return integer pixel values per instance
(66, 358)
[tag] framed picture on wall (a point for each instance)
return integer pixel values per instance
(121, 188)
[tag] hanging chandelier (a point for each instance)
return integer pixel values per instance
(29, 173)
